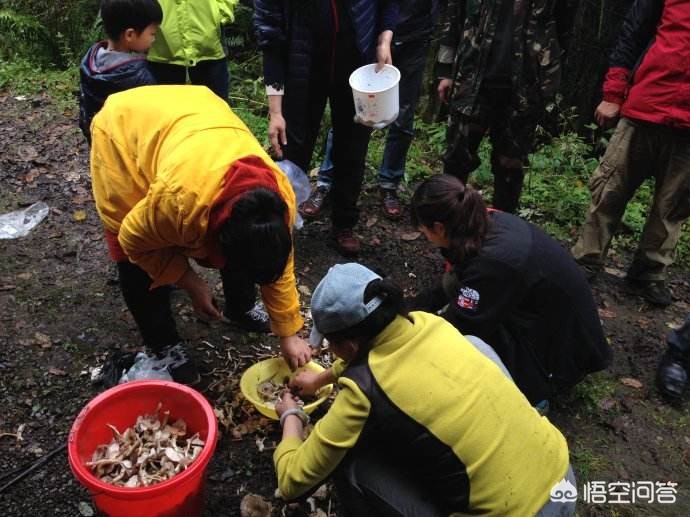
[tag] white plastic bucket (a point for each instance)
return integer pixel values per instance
(375, 95)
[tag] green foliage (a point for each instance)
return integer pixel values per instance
(23, 77)
(589, 393)
(22, 36)
(56, 33)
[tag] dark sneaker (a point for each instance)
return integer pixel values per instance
(116, 363)
(179, 363)
(391, 203)
(655, 292)
(672, 374)
(313, 206)
(346, 242)
(254, 320)
(590, 269)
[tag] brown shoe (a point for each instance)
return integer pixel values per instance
(313, 206)
(346, 242)
(391, 203)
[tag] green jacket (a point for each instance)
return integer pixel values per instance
(538, 33)
(191, 31)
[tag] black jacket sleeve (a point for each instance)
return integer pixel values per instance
(389, 11)
(270, 26)
(432, 299)
(638, 30)
(480, 296)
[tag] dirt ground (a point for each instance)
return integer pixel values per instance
(61, 311)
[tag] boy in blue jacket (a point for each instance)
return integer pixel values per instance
(118, 63)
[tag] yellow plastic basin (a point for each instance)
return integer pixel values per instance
(276, 369)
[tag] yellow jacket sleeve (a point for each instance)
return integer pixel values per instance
(156, 230)
(300, 466)
(282, 301)
(281, 297)
(338, 367)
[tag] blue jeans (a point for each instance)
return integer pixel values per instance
(212, 73)
(410, 58)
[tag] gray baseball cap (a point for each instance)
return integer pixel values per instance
(338, 300)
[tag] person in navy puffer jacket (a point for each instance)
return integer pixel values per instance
(310, 48)
(118, 63)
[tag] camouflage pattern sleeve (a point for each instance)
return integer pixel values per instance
(451, 31)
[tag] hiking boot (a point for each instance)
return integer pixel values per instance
(346, 242)
(254, 320)
(672, 374)
(179, 363)
(391, 203)
(318, 199)
(590, 271)
(655, 292)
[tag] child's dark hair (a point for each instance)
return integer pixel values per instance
(256, 238)
(366, 330)
(461, 210)
(120, 15)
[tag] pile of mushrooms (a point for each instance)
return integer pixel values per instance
(150, 452)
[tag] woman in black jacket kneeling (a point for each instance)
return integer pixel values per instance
(513, 286)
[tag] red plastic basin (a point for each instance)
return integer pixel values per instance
(182, 495)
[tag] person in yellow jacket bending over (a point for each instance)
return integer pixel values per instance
(190, 41)
(424, 423)
(177, 175)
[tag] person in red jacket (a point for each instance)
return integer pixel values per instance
(651, 140)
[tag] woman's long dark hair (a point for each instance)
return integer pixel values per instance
(461, 209)
(256, 239)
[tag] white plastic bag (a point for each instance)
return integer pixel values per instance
(300, 185)
(20, 222)
(146, 367)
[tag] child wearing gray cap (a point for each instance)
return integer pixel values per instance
(423, 424)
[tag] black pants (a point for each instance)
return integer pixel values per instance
(151, 307)
(212, 73)
(367, 485)
(303, 108)
(511, 135)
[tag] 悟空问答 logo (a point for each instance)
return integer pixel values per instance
(563, 492)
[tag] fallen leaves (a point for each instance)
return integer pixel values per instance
(304, 290)
(57, 371)
(254, 505)
(79, 215)
(632, 383)
(16, 435)
(85, 509)
(27, 153)
(619, 273)
(42, 339)
(607, 314)
(410, 236)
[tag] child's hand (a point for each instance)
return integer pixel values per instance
(287, 401)
(306, 383)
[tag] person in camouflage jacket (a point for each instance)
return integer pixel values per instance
(500, 67)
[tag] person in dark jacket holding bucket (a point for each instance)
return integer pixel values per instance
(511, 285)
(310, 49)
(118, 63)
(410, 48)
